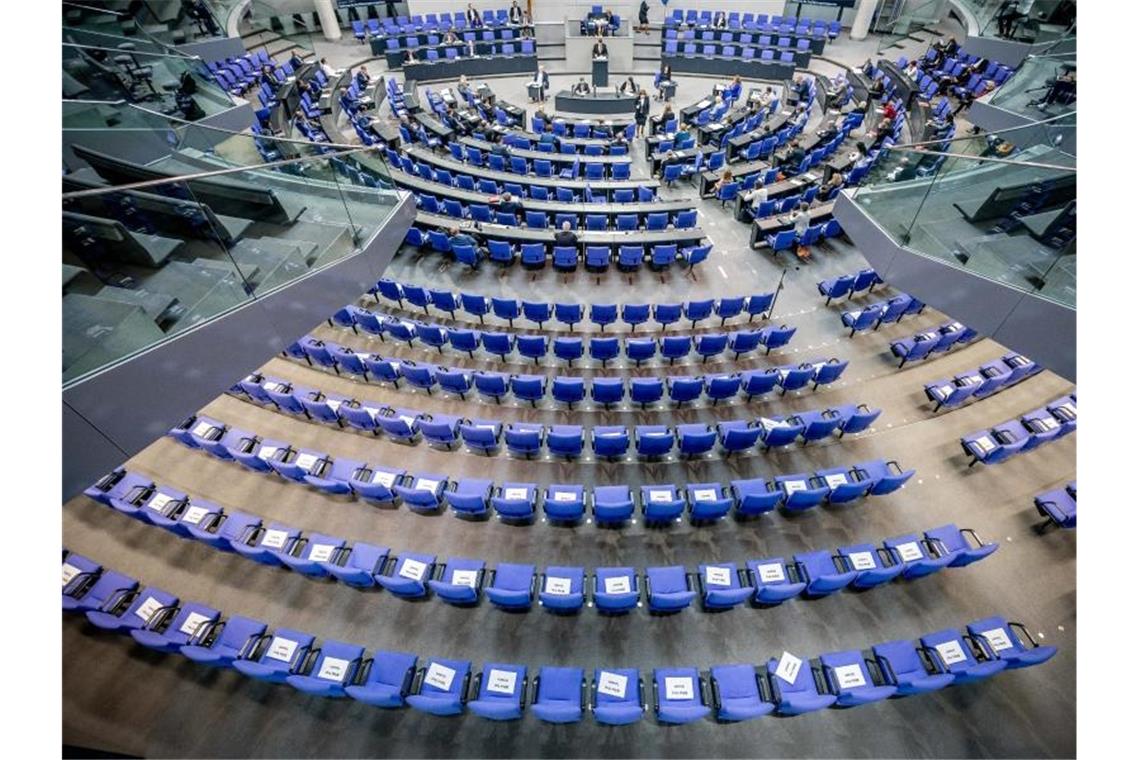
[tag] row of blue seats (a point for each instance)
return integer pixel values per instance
(528, 439)
(849, 285)
(1058, 506)
(872, 316)
(465, 582)
(564, 389)
(564, 258)
(982, 382)
(789, 685)
(570, 314)
(540, 220)
(522, 188)
(430, 492)
(744, 53)
(1054, 420)
(758, 22)
(572, 166)
(537, 347)
(412, 42)
(430, 22)
(930, 343)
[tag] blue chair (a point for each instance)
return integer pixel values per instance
(388, 680)
(661, 503)
(903, 667)
(669, 589)
(532, 346)
(238, 636)
(998, 639)
(874, 565)
(952, 540)
(612, 505)
(609, 441)
(469, 496)
(679, 695)
(707, 501)
(639, 350)
(568, 349)
(616, 590)
(481, 436)
(675, 347)
(558, 695)
(919, 556)
(524, 439)
(459, 581)
(561, 589)
(604, 349)
(409, 575)
(774, 581)
(823, 572)
(603, 315)
(565, 441)
(618, 698)
(630, 257)
(597, 258)
(960, 656)
(720, 586)
(797, 687)
(442, 687)
(607, 390)
(653, 441)
(683, 389)
(283, 656)
(511, 586)
(737, 693)
(564, 503)
(737, 435)
(849, 679)
(531, 388)
(533, 255)
(666, 314)
(695, 439)
(646, 390)
(500, 692)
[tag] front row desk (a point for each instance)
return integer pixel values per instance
(477, 66)
(762, 228)
(594, 103)
(688, 236)
(718, 66)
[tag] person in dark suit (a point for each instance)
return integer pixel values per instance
(643, 17)
(720, 21)
(543, 80)
(793, 158)
(600, 49)
(362, 77)
(473, 17)
(582, 87)
(516, 13)
(507, 205)
(566, 236)
(641, 112)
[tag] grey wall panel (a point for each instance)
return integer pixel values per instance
(120, 411)
(1042, 330)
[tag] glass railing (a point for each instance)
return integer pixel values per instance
(153, 248)
(166, 23)
(171, 83)
(894, 28)
(999, 210)
(1042, 85)
(1025, 21)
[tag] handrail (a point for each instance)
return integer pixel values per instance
(903, 146)
(987, 159)
(216, 172)
(118, 51)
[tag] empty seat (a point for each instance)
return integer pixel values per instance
(512, 586)
(998, 639)
(680, 696)
(720, 585)
(797, 686)
(442, 688)
(238, 635)
(904, 668)
(738, 693)
(564, 502)
(669, 589)
(278, 659)
(562, 589)
(335, 665)
(409, 575)
(459, 582)
(616, 589)
(960, 656)
(558, 695)
(612, 505)
(850, 680)
(387, 680)
(617, 696)
(500, 692)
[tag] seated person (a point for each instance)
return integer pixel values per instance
(671, 158)
(582, 87)
(720, 21)
(455, 237)
(912, 71)
(827, 188)
(605, 130)
(565, 236)
(449, 38)
(793, 157)
(875, 91)
(829, 129)
(505, 204)
(756, 196)
(724, 180)
(629, 87)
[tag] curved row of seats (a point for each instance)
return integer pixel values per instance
(872, 316)
(758, 22)
(634, 220)
(986, 380)
(788, 685)
(571, 163)
(524, 185)
(464, 582)
(1052, 421)
(602, 392)
(931, 343)
(608, 442)
(431, 492)
(1058, 506)
(849, 285)
(537, 347)
(664, 315)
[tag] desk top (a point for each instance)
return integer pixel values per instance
(585, 237)
(541, 156)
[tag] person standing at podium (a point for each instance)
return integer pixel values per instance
(643, 17)
(600, 49)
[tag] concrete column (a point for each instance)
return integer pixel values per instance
(862, 22)
(330, 24)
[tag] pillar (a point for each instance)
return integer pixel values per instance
(330, 24)
(862, 22)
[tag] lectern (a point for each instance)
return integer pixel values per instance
(601, 71)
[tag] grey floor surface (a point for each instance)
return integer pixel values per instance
(121, 697)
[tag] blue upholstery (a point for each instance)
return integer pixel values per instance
(442, 687)
(512, 586)
(558, 698)
(736, 693)
(501, 691)
(849, 679)
(617, 696)
(459, 582)
(799, 694)
(668, 588)
(679, 695)
(562, 589)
